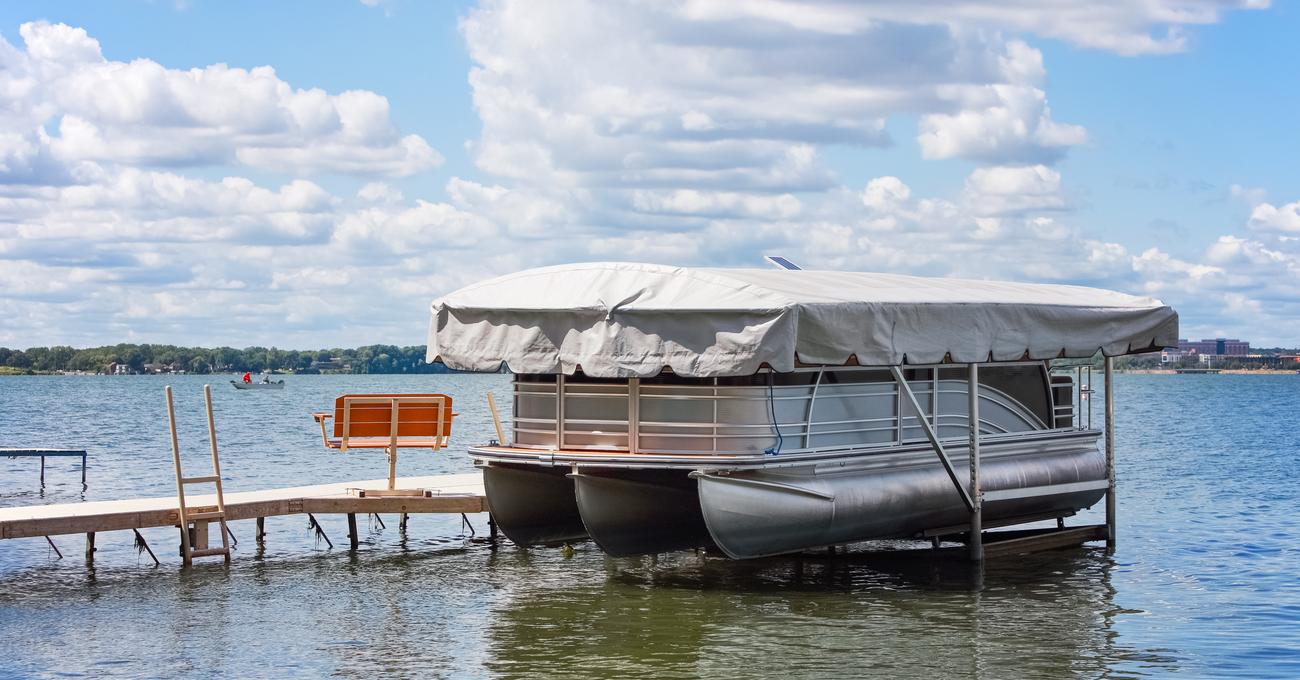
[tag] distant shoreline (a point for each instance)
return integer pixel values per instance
(1226, 371)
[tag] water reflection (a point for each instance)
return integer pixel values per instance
(852, 615)
(1203, 584)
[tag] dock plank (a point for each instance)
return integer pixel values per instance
(451, 494)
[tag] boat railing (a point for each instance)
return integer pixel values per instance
(805, 411)
(1072, 395)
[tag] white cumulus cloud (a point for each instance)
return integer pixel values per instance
(68, 104)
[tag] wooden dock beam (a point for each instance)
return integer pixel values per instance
(1036, 540)
(455, 494)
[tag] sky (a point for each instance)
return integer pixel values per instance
(314, 174)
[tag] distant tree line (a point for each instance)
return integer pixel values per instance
(171, 358)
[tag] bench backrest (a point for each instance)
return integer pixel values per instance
(416, 416)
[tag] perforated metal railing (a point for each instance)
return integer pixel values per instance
(809, 409)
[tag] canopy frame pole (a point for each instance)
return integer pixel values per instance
(1110, 453)
(906, 390)
(559, 412)
(977, 509)
(633, 415)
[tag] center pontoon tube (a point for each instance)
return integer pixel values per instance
(658, 408)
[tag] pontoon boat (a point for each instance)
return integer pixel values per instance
(762, 412)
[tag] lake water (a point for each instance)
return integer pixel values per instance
(1205, 581)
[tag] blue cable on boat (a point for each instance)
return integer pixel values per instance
(771, 407)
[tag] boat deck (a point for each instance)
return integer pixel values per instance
(461, 493)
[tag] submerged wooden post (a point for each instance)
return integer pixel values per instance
(261, 529)
(199, 539)
(90, 546)
(1110, 454)
(352, 530)
(977, 510)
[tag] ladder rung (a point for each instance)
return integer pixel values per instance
(200, 480)
(206, 552)
(196, 516)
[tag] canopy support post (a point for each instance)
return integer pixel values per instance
(977, 510)
(906, 390)
(1110, 453)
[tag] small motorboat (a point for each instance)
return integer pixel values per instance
(266, 385)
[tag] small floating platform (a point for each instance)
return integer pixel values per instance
(48, 453)
(452, 494)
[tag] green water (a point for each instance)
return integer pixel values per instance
(1203, 584)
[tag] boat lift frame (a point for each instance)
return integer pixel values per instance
(969, 490)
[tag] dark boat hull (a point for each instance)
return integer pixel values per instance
(770, 511)
(638, 512)
(533, 505)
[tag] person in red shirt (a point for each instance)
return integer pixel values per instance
(248, 377)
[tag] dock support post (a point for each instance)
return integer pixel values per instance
(977, 511)
(352, 530)
(55, 548)
(90, 546)
(142, 544)
(401, 524)
(313, 524)
(83, 470)
(392, 453)
(261, 529)
(42, 472)
(1110, 454)
(492, 528)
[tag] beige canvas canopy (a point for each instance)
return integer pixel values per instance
(616, 319)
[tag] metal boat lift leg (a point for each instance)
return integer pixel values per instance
(1110, 454)
(906, 390)
(976, 513)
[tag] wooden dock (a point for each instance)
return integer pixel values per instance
(454, 494)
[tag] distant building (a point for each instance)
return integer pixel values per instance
(1219, 347)
(333, 364)
(1171, 356)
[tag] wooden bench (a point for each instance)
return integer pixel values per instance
(390, 422)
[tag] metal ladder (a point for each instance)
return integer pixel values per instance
(200, 519)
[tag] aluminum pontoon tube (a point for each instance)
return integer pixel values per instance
(533, 505)
(754, 514)
(640, 512)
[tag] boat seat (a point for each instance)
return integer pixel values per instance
(387, 421)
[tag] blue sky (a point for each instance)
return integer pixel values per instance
(401, 149)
